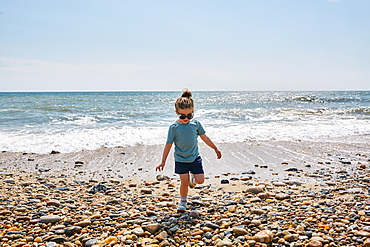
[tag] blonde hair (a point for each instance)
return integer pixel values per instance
(185, 101)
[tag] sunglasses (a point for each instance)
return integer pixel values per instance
(183, 116)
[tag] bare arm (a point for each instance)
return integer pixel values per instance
(209, 142)
(166, 151)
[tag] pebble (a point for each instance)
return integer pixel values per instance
(70, 231)
(50, 219)
(264, 236)
(254, 190)
(152, 228)
(282, 196)
(224, 243)
(239, 231)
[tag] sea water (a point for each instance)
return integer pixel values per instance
(75, 121)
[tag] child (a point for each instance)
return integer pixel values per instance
(184, 133)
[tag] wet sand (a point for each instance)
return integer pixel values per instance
(267, 161)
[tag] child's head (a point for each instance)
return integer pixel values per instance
(185, 101)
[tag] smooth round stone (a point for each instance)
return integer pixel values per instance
(366, 228)
(258, 211)
(282, 196)
(59, 232)
(194, 214)
(195, 197)
(363, 234)
(62, 188)
(212, 225)
(146, 191)
(255, 199)
(256, 222)
(278, 184)
(5, 212)
(53, 202)
(239, 231)
(23, 218)
(15, 232)
(254, 190)
(21, 209)
(152, 228)
(291, 237)
(58, 240)
(224, 243)
(40, 196)
(9, 181)
(83, 223)
(264, 236)
(50, 219)
(208, 235)
(314, 243)
(138, 231)
(69, 231)
(90, 242)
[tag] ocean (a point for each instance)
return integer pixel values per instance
(75, 121)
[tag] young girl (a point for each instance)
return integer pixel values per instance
(184, 133)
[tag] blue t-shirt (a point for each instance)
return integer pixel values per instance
(185, 138)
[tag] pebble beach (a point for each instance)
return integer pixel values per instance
(291, 193)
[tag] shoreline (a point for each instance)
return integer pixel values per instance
(258, 160)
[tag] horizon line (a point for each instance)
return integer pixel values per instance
(92, 91)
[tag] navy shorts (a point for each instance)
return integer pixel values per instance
(195, 167)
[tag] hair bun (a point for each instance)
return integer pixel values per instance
(186, 93)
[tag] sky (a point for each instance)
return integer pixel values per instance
(166, 45)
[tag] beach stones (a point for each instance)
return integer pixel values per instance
(212, 225)
(90, 243)
(291, 237)
(83, 223)
(291, 169)
(365, 234)
(138, 231)
(146, 191)
(70, 231)
(366, 243)
(314, 243)
(279, 184)
(239, 231)
(247, 212)
(9, 181)
(111, 240)
(264, 236)
(98, 188)
(194, 214)
(254, 190)
(162, 177)
(257, 211)
(152, 228)
(5, 212)
(50, 219)
(53, 202)
(282, 196)
(224, 243)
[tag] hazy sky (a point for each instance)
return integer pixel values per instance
(63, 45)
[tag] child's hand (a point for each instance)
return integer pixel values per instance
(218, 153)
(160, 167)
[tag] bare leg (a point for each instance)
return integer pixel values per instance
(199, 178)
(184, 183)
